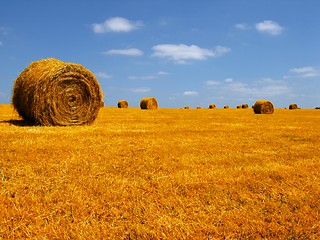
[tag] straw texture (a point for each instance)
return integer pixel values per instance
(51, 92)
(263, 107)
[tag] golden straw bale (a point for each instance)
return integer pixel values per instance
(263, 107)
(293, 106)
(226, 106)
(245, 106)
(198, 107)
(123, 104)
(212, 106)
(149, 103)
(52, 92)
(186, 107)
(239, 106)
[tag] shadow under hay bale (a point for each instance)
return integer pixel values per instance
(123, 104)
(212, 106)
(263, 107)
(51, 92)
(293, 106)
(149, 103)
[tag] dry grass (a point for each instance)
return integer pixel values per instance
(165, 174)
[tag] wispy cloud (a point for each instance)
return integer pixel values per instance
(182, 53)
(261, 88)
(269, 27)
(116, 24)
(128, 52)
(306, 72)
(102, 75)
(212, 83)
(190, 93)
(242, 26)
(139, 90)
(150, 76)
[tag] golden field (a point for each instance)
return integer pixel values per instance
(162, 174)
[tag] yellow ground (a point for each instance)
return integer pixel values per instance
(162, 174)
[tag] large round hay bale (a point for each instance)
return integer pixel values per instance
(186, 107)
(123, 104)
(263, 107)
(239, 106)
(52, 92)
(245, 106)
(212, 106)
(293, 106)
(226, 107)
(149, 103)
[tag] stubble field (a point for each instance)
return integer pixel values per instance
(162, 174)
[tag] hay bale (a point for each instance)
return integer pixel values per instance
(293, 106)
(198, 107)
(263, 107)
(239, 106)
(123, 104)
(226, 106)
(149, 103)
(212, 106)
(245, 106)
(52, 92)
(186, 107)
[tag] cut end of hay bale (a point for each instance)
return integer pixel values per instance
(123, 104)
(54, 93)
(263, 107)
(293, 106)
(149, 103)
(212, 106)
(245, 106)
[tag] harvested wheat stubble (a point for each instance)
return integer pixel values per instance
(212, 106)
(51, 92)
(123, 104)
(263, 107)
(149, 103)
(293, 106)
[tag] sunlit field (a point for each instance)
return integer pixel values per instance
(162, 174)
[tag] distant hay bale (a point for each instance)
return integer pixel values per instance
(239, 106)
(245, 106)
(293, 106)
(198, 107)
(212, 106)
(149, 103)
(263, 107)
(52, 92)
(123, 104)
(186, 107)
(226, 106)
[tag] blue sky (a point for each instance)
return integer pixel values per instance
(181, 52)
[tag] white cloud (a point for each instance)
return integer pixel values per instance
(183, 53)
(103, 75)
(161, 73)
(128, 52)
(140, 90)
(269, 27)
(242, 26)
(116, 24)
(147, 77)
(306, 72)
(190, 93)
(212, 83)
